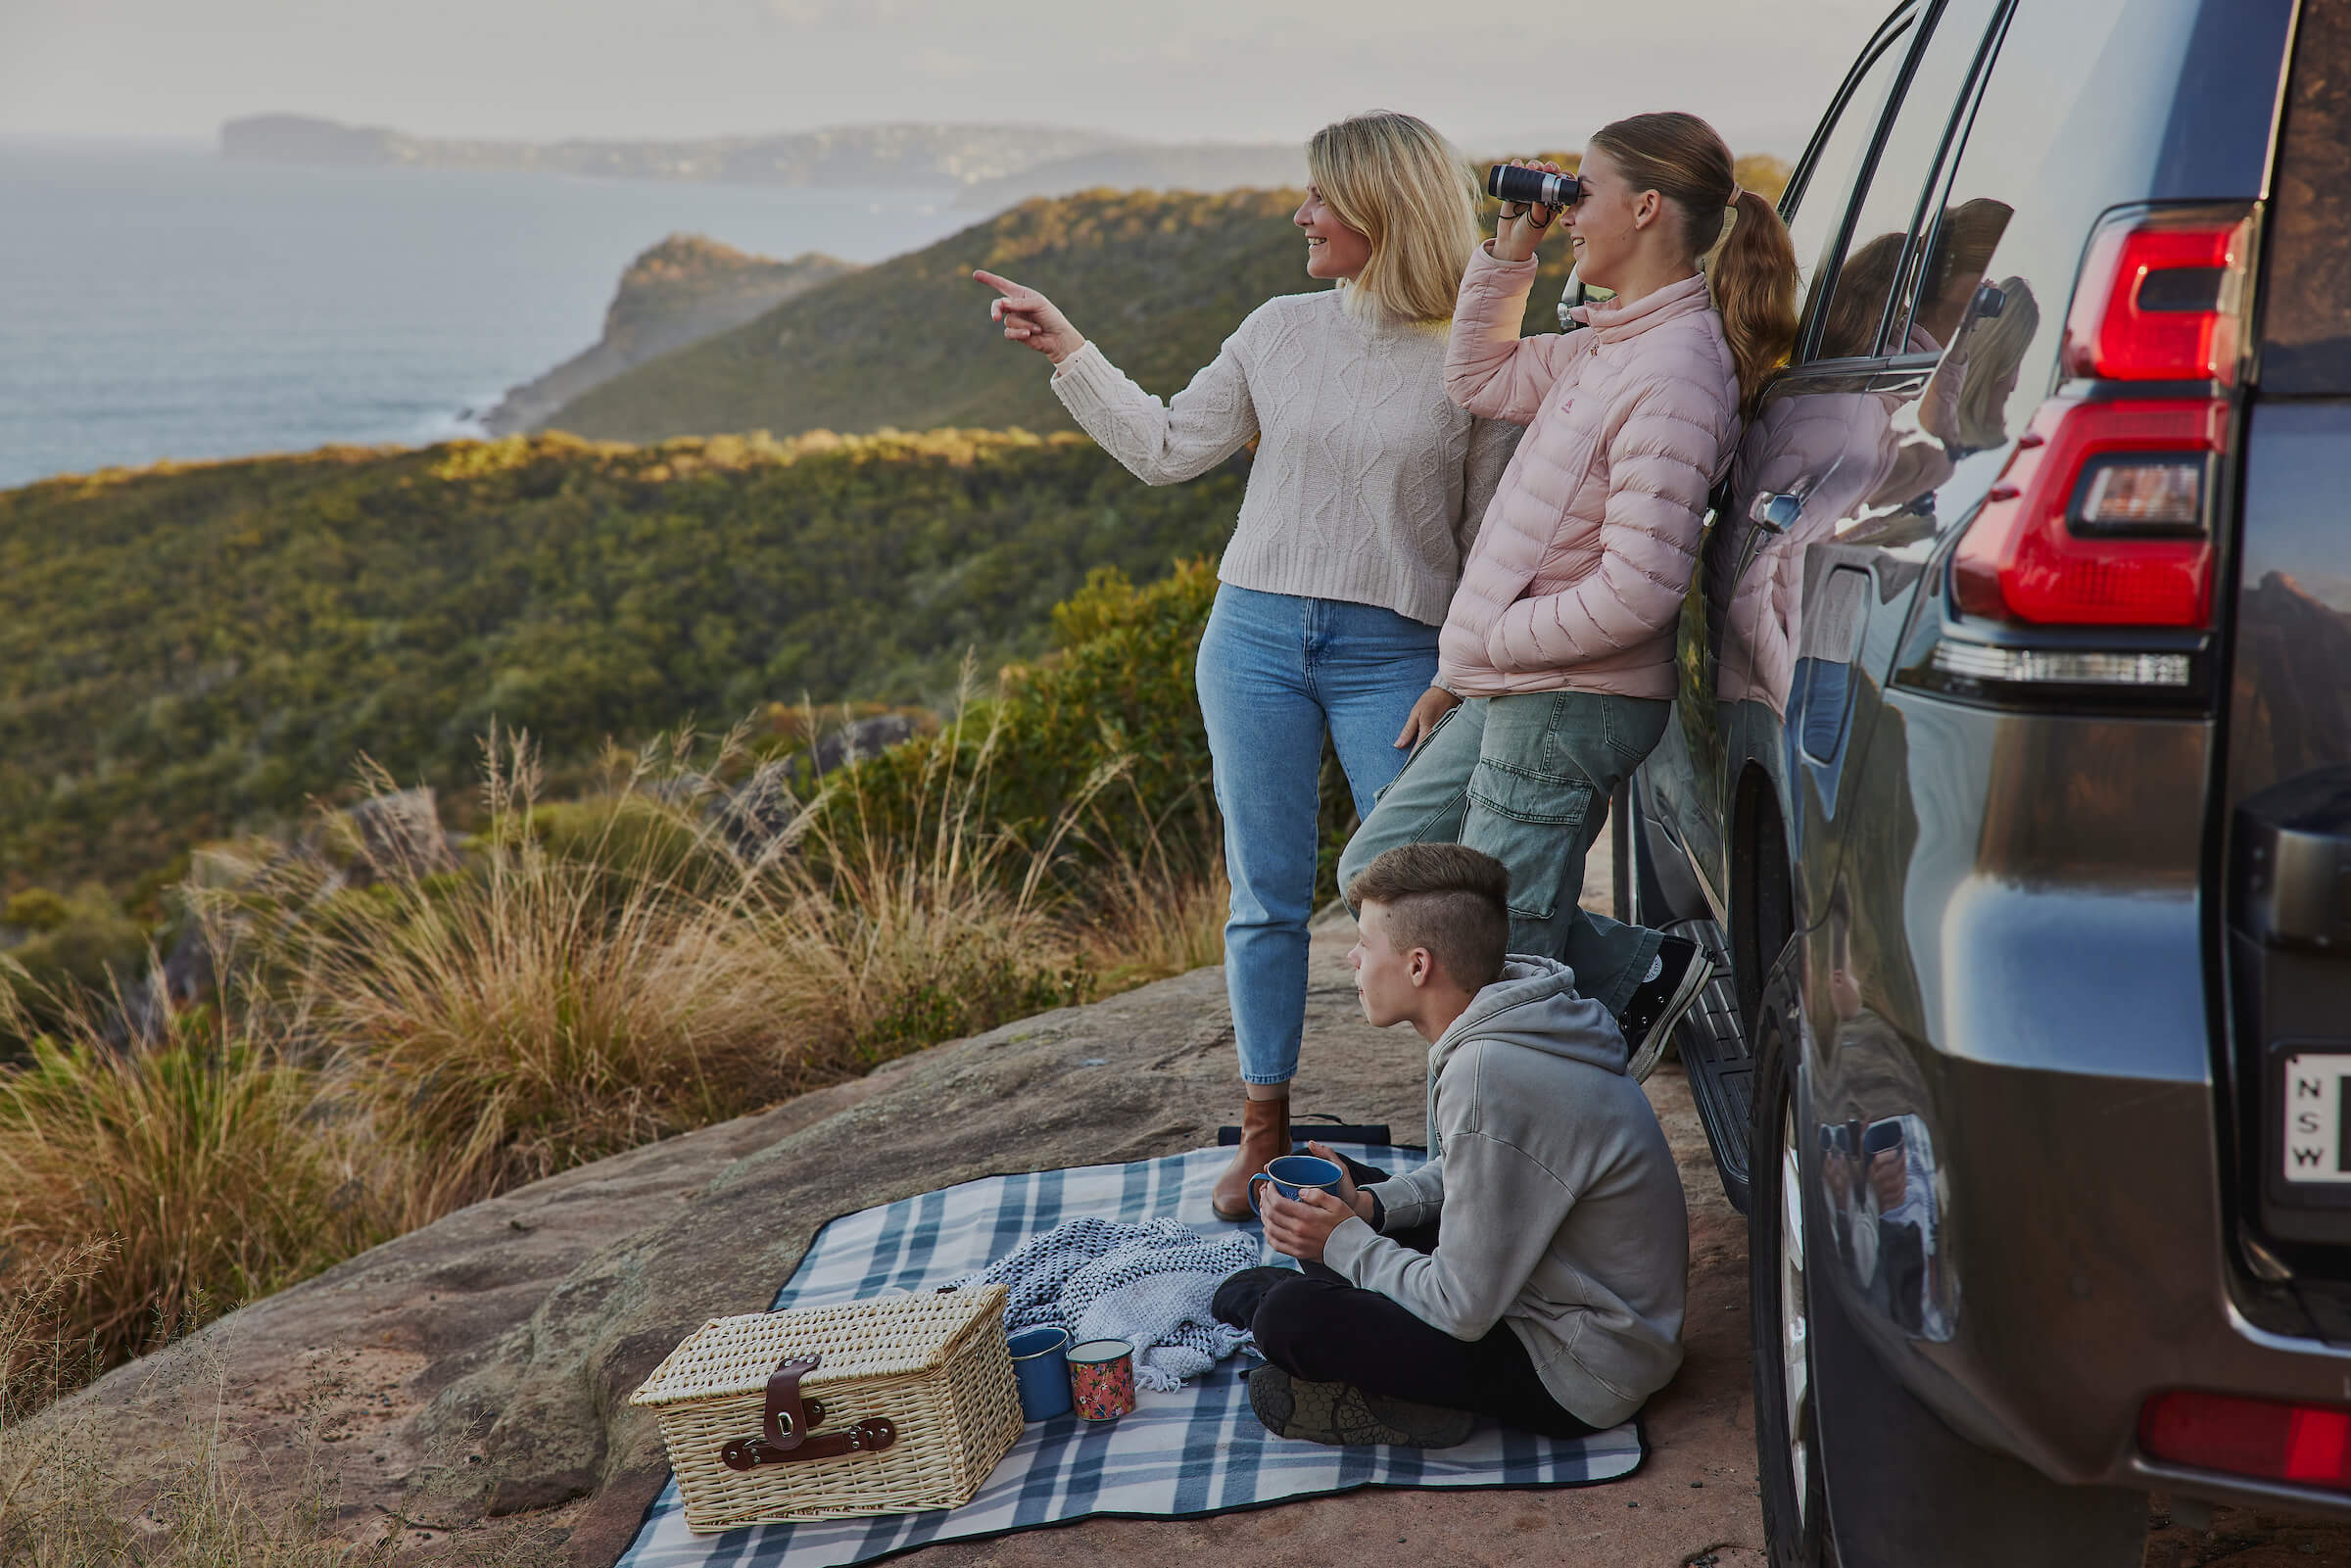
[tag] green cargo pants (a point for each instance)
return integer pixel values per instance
(1527, 779)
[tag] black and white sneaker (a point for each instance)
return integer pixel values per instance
(1343, 1416)
(1676, 976)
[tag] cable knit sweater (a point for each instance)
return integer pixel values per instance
(1368, 482)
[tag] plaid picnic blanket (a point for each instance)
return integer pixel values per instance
(1193, 1452)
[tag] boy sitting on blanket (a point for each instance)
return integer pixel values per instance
(1533, 1271)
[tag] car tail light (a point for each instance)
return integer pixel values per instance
(2103, 515)
(2099, 518)
(2160, 296)
(2306, 1444)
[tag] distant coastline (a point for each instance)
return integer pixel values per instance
(169, 304)
(991, 166)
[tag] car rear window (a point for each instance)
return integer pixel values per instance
(1870, 272)
(2306, 321)
(2091, 105)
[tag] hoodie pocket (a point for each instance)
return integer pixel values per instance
(1534, 825)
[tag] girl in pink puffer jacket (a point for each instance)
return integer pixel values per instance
(1556, 666)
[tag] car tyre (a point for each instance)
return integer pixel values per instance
(1796, 1513)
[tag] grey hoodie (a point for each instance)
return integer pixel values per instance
(1559, 1208)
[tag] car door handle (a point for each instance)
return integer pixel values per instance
(1775, 512)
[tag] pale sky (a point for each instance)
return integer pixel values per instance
(1178, 70)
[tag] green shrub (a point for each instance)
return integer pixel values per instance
(1115, 694)
(74, 947)
(189, 653)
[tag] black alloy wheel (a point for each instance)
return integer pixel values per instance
(1796, 1514)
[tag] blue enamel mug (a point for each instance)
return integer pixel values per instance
(1041, 1365)
(1292, 1175)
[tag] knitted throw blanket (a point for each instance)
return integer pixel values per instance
(1148, 1284)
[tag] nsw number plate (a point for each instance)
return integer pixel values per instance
(2316, 1136)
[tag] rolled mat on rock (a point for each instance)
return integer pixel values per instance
(1182, 1453)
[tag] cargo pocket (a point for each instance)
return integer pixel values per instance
(1533, 823)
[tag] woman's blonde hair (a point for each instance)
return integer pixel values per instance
(1395, 180)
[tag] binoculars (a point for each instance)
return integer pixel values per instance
(1507, 182)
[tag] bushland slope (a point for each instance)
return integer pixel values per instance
(188, 651)
(1158, 279)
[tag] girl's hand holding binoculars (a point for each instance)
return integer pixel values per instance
(1522, 225)
(1028, 317)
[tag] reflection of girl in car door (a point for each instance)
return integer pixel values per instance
(1555, 668)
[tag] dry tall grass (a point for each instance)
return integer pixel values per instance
(658, 971)
(940, 928)
(199, 1159)
(1156, 912)
(398, 1033)
(546, 1008)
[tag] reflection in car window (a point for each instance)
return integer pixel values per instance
(1958, 250)
(2045, 153)
(1812, 228)
(1868, 279)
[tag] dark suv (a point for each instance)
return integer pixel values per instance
(2010, 783)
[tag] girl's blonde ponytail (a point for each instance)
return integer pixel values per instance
(1754, 280)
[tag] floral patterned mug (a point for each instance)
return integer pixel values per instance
(1102, 1379)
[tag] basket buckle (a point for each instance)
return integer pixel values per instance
(788, 1420)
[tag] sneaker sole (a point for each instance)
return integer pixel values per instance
(1652, 1049)
(1342, 1415)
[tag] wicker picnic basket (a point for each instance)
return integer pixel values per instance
(833, 1412)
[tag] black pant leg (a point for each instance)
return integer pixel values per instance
(1902, 1259)
(1323, 1330)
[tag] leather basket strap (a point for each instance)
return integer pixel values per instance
(786, 1422)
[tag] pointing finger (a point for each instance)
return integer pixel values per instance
(1006, 287)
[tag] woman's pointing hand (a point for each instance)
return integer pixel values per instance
(1030, 318)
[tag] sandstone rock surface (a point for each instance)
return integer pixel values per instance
(476, 1371)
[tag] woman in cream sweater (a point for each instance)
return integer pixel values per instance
(1365, 495)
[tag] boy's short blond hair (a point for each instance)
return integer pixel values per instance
(1447, 898)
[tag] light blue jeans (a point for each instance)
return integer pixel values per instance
(1276, 672)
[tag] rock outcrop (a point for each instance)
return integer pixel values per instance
(683, 290)
(471, 1378)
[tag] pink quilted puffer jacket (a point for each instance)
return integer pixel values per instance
(1576, 579)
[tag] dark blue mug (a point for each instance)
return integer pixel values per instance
(1292, 1175)
(1041, 1364)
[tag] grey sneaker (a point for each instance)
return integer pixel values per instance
(1341, 1414)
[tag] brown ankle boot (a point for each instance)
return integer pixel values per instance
(1264, 1136)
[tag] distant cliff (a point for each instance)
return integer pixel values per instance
(848, 155)
(683, 290)
(1158, 279)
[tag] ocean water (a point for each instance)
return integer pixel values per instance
(157, 301)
